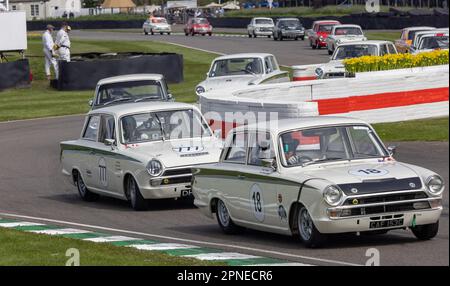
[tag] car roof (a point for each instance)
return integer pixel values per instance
(346, 26)
(130, 77)
(418, 28)
(262, 18)
(243, 55)
(369, 42)
(325, 22)
(279, 126)
(288, 19)
(141, 107)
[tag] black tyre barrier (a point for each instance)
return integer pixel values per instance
(14, 74)
(85, 70)
(380, 21)
(88, 24)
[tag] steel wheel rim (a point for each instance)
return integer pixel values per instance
(132, 189)
(81, 185)
(305, 224)
(223, 214)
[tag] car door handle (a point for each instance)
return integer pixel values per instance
(241, 177)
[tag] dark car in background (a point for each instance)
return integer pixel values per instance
(288, 28)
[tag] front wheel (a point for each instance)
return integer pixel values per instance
(224, 220)
(308, 233)
(151, 32)
(84, 192)
(302, 38)
(137, 202)
(145, 32)
(330, 52)
(426, 231)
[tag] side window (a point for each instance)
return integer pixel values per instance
(392, 49)
(383, 50)
(237, 152)
(91, 129)
(108, 128)
(268, 65)
(260, 148)
(274, 64)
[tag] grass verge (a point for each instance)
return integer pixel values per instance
(28, 249)
(435, 129)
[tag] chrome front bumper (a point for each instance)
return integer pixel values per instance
(362, 223)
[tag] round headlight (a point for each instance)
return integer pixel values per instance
(199, 90)
(435, 185)
(332, 195)
(155, 168)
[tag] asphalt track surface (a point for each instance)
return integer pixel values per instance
(287, 52)
(31, 184)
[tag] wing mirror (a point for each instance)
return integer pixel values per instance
(392, 150)
(270, 164)
(110, 142)
(90, 102)
(218, 133)
(170, 97)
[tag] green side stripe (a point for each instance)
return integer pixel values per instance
(37, 227)
(131, 242)
(84, 235)
(252, 261)
(190, 251)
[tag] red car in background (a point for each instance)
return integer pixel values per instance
(199, 26)
(319, 32)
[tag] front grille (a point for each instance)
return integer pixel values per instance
(177, 172)
(386, 198)
(177, 180)
(335, 75)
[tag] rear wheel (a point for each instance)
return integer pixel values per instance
(84, 192)
(426, 231)
(308, 233)
(224, 219)
(210, 34)
(145, 32)
(137, 202)
(151, 32)
(161, 33)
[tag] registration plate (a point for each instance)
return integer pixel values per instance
(386, 223)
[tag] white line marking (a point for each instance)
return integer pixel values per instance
(17, 224)
(279, 264)
(193, 48)
(162, 246)
(41, 118)
(265, 251)
(111, 238)
(61, 231)
(221, 256)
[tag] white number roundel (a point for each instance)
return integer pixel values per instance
(368, 172)
(257, 202)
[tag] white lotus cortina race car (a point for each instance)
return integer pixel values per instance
(316, 176)
(241, 70)
(139, 151)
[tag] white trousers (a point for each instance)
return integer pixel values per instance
(50, 61)
(64, 54)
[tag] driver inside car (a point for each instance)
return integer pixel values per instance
(290, 146)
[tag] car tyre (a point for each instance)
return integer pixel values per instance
(137, 201)
(307, 231)
(145, 32)
(224, 220)
(249, 35)
(168, 33)
(426, 231)
(210, 34)
(151, 32)
(84, 192)
(161, 33)
(312, 45)
(330, 52)
(302, 38)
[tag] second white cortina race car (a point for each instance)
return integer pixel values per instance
(139, 151)
(316, 176)
(241, 70)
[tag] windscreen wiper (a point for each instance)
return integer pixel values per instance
(147, 98)
(118, 100)
(323, 160)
